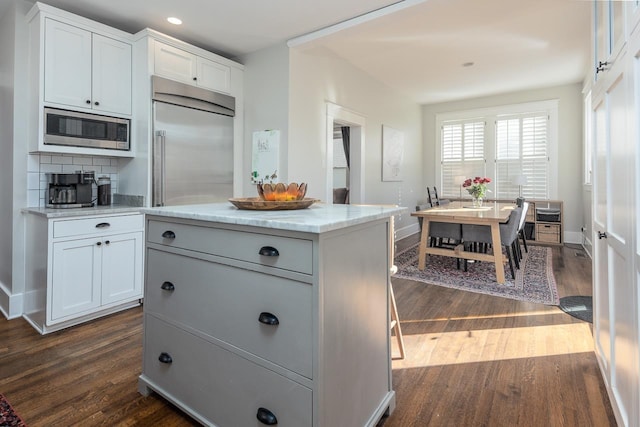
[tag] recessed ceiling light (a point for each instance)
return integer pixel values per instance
(468, 64)
(174, 20)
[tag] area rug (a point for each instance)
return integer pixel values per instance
(534, 280)
(578, 306)
(8, 416)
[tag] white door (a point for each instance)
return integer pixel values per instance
(75, 283)
(616, 326)
(111, 75)
(67, 64)
(121, 267)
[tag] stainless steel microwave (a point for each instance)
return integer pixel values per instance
(63, 127)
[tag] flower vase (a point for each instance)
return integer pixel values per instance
(477, 202)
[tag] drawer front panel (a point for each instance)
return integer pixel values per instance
(222, 387)
(98, 225)
(548, 233)
(227, 303)
(292, 254)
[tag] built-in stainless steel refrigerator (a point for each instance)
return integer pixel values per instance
(193, 144)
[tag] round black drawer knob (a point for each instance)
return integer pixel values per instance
(267, 417)
(269, 251)
(169, 234)
(268, 319)
(165, 358)
(168, 286)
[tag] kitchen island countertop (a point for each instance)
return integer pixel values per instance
(318, 218)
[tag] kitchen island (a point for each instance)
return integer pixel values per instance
(269, 317)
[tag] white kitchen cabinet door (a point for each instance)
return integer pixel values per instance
(174, 63)
(87, 70)
(67, 64)
(121, 267)
(213, 76)
(111, 71)
(180, 65)
(76, 271)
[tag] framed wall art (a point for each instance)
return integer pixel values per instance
(392, 153)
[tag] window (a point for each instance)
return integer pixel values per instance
(504, 143)
(521, 150)
(462, 153)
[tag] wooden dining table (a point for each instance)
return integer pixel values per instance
(490, 214)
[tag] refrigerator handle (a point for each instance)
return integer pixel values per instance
(159, 165)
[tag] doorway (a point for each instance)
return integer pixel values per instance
(347, 173)
(341, 162)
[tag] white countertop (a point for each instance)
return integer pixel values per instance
(318, 218)
(94, 210)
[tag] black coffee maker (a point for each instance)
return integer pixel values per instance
(70, 190)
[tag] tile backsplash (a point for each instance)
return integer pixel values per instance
(39, 164)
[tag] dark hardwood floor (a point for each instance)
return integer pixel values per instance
(472, 360)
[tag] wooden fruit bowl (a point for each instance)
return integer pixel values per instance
(282, 193)
(257, 204)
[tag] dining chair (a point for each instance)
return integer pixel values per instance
(508, 236)
(341, 196)
(439, 231)
(523, 217)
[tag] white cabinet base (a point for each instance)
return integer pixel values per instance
(37, 319)
(78, 269)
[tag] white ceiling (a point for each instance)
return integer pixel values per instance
(418, 50)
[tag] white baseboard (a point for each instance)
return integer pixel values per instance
(587, 246)
(573, 237)
(10, 304)
(407, 231)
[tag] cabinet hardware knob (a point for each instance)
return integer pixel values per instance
(103, 225)
(268, 319)
(107, 242)
(88, 101)
(168, 286)
(195, 78)
(269, 251)
(267, 417)
(165, 358)
(99, 243)
(169, 234)
(602, 235)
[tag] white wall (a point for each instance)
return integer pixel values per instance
(13, 161)
(266, 104)
(570, 140)
(318, 77)
(7, 38)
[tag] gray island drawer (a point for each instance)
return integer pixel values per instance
(292, 254)
(227, 302)
(229, 395)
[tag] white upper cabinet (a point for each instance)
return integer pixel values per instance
(610, 34)
(174, 63)
(86, 70)
(212, 75)
(111, 71)
(183, 66)
(67, 63)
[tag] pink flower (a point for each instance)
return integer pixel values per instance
(477, 186)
